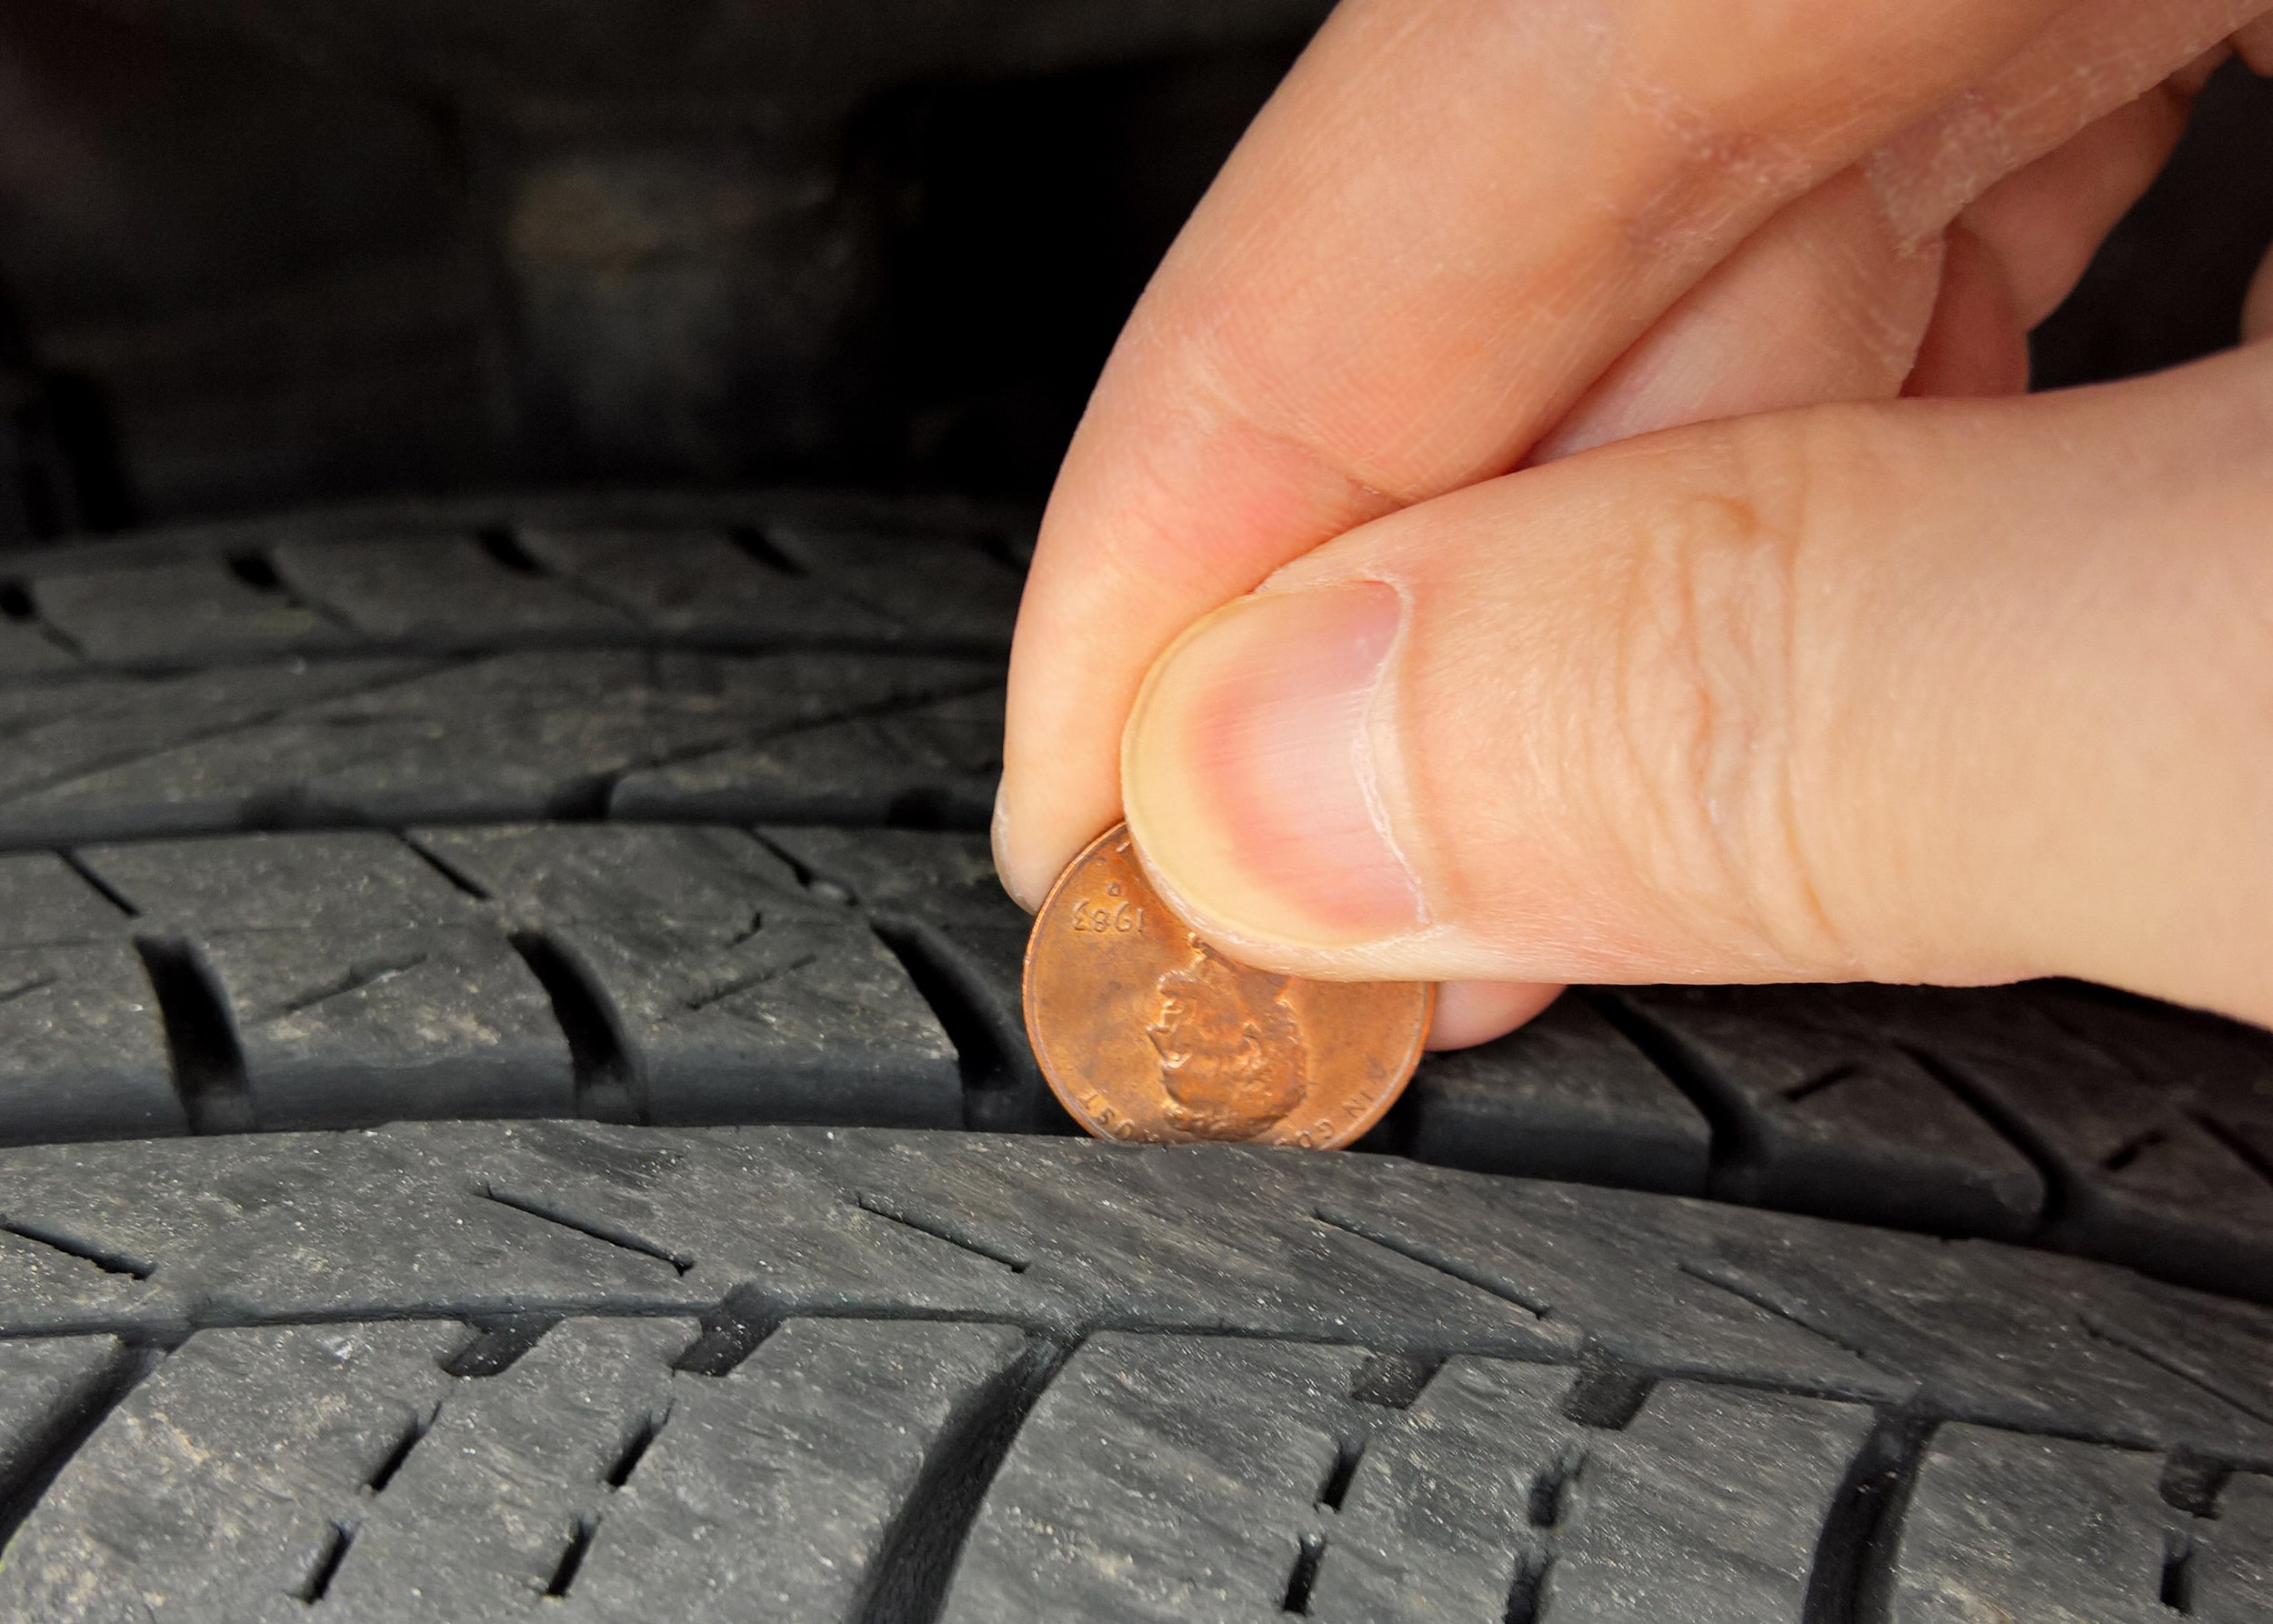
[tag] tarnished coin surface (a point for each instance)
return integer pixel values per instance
(1145, 1032)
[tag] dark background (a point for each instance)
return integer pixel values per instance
(260, 252)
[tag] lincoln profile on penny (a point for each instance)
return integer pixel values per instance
(1232, 1054)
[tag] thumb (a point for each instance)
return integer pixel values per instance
(1952, 691)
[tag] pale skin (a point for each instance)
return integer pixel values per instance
(1405, 657)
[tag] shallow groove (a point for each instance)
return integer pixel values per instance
(1428, 1256)
(201, 1043)
(101, 886)
(1015, 1263)
(326, 1568)
(103, 1258)
(1768, 1305)
(572, 1556)
(354, 981)
(2177, 1571)
(1847, 1552)
(26, 988)
(635, 1448)
(908, 1582)
(593, 1229)
(412, 1436)
(2237, 1143)
(2162, 1361)
(605, 1080)
(1348, 1453)
(459, 880)
(1817, 1085)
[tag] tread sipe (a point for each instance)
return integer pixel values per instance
(459, 1371)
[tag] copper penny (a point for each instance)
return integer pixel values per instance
(1145, 1032)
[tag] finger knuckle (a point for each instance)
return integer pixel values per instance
(1708, 702)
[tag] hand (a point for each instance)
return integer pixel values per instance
(1941, 690)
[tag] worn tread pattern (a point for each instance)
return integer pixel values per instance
(666, 810)
(456, 1370)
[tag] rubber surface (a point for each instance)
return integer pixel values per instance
(595, 822)
(582, 807)
(445, 1370)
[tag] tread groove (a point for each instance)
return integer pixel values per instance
(635, 1450)
(606, 1082)
(1607, 1395)
(1394, 1381)
(1526, 1591)
(908, 1582)
(2060, 1188)
(1733, 1136)
(1348, 1453)
(1848, 1550)
(730, 1333)
(497, 1343)
(201, 1043)
(1308, 1551)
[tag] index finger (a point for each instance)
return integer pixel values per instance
(1451, 218)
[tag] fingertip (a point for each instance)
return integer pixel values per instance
(1473, 1012)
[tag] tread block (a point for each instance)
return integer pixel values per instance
(520, 736)
(152, 614)
(220, 1485)
(272, 882)
(102, 758)
(936, 895)
(735, 995)
(934, 764)
(1708, 1507)
(2000, 1524)
(1563, 1096)
(1450, 1503)
(1838, 1123)
(1158, 1478)
(344, 1028)
(936, 589)
(776, 1488)
(2140, 1179)
(438, 589)
(42, 901)
(83, 1048)
(699, 583)
(511, 1472)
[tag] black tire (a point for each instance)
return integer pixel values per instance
(445, 1370)
(666, 810)
(664, 813)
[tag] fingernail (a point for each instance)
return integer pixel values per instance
(1248, 772)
